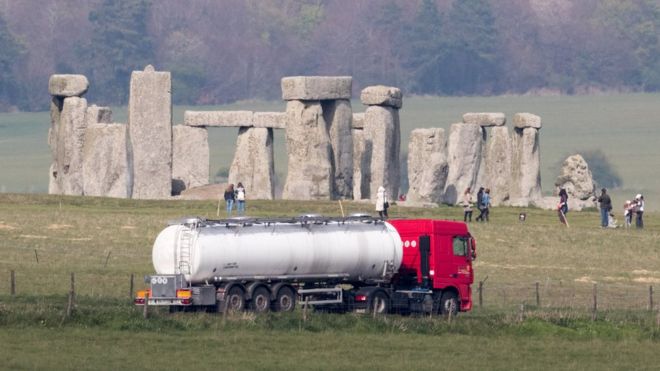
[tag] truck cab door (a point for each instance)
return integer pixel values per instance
(461, 257)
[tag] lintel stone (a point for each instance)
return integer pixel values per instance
(68, 85)
(526, 120)
(380, 95)
(316, 87)
(218, 118)
(485, 118)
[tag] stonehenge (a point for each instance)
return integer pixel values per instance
(332, 153)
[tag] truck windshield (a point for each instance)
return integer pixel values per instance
(460, 245)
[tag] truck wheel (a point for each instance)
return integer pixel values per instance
(449, 303)
(235, 300)
(379, 303)
(260, 302)
(285, 300)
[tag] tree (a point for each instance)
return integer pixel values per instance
(119, 45)
(10, 54)
(425, 55)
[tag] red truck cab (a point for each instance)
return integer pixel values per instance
(437, 255)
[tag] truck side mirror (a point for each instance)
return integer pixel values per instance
(472, 255)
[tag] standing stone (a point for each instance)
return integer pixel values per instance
(70, 138)
(105, 164)
(361, 164)
(68, 85)
(310, 171)
(190, 158)
(497, 165)
(525, 167)
(382, 135)
(464, 149)
(427, 165)
(150, 131)
(56, 104)
(98, 115)
(253, 163)
(338, 115)
(576, 178)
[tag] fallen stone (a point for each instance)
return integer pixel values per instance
(190, 158)
(338, 115)
(310, 172)
(150, 131)
(576, 178)
(274, 120)
(382, 135)
(253, 163)
(316, 87)
(427, 165)
(68, 85)
(526, 120)
(213, 192)
(69, 146)
(497, 165)
(380, 95)
(485, 118)
(105, 163)
(218, 118)
(525, 167)
(464, 153)
(358, 120)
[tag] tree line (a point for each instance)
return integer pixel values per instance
(221, 51)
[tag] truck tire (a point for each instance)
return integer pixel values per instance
(449, 303)
(285, 301)
(235, 299)
(260, 302)
(379, 303)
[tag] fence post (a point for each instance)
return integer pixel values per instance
(538, 296)
(130, 288)
(72, 293)
(36, 256)
(12, 284)
(521, 313)
(481, 292)
(594, 313)
(106, 259)
(145, 308)
(304, 311)
(651, 297)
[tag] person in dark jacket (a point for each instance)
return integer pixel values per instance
(605, 203)
(229, 199)
(562, 208)
(480, 197)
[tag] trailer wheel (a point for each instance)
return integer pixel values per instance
(449, 303)
(379, 303)
(235, 299)
(285, 300)
(260, 302)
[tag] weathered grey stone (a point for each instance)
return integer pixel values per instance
(464, 154)
(253, 163)
(427, 165)
(218, 118)
(310, 172)
(485, 118)
(526, 120)
(274, 120)
(380, 95)
(98, 115)
(56, 104)
(53, 186)
(190, 158)
(316, 87)
(70, 138)
(497, 165)
(576, 178)
(105, 165)
(206, 192)
(358, 120)
(382, 135)
(150, 131)
(361, 165)
(338, 115)
(68, 85)
(525, 167)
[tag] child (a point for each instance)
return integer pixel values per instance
(628, 207)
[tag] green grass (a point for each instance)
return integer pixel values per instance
(75, 234)
(623, 126)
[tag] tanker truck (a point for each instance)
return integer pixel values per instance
(357, 263)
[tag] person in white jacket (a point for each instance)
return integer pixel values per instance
(382, 203)
(639, 210)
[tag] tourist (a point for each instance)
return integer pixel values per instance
(605, 203)
(485, 203)
(240, 199)
(467, 205)
(480, 196)
(229, 199)
(382, 203)
(639, 210)
(628, 209)
(562, 207)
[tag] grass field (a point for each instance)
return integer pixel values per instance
(103, 241)
(624, 127)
